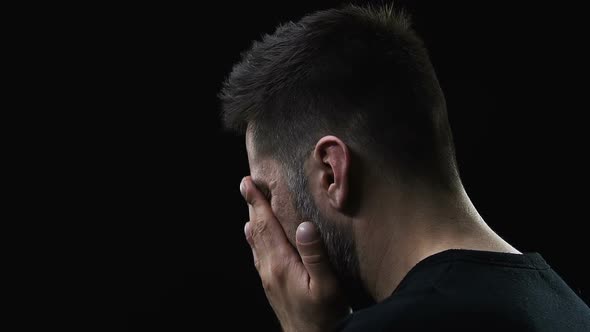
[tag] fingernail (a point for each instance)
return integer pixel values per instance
(242, 187)
(246, 226)
(306, 232)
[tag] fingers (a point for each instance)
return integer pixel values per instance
(255, 199)
(247, 232)
(264, 233)
(313, 254)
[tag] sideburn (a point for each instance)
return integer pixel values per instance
(338, 240)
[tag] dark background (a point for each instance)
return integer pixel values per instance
(158, 180)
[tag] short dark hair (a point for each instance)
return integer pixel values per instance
(359, 73)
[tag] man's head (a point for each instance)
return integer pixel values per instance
(325, 98)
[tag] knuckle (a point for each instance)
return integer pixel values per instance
(273, 275)
(278, 271)
(267, 284)
(313, 259)
(268, 279)
(257, 264)
(259, 228)
(249, 236)
(280, 254)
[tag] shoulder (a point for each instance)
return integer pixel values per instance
(470, 295)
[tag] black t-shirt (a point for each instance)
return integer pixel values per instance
(470, 290)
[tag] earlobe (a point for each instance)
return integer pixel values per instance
(333, 158)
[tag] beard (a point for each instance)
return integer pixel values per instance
(338, 241)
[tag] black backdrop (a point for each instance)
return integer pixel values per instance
(163, 204)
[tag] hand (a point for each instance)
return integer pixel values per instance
(299, 284)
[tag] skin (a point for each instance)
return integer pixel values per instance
(395, 225)
(268, 177)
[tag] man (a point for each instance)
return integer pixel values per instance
(354, 196)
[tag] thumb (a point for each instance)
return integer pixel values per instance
(312, 252)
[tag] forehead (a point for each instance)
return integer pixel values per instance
(250, 146)
(254, 161)
(261, 168)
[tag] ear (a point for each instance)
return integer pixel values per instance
(331, 160)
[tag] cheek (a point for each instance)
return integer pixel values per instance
(285, 213)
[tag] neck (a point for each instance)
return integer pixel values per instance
(395, 233)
